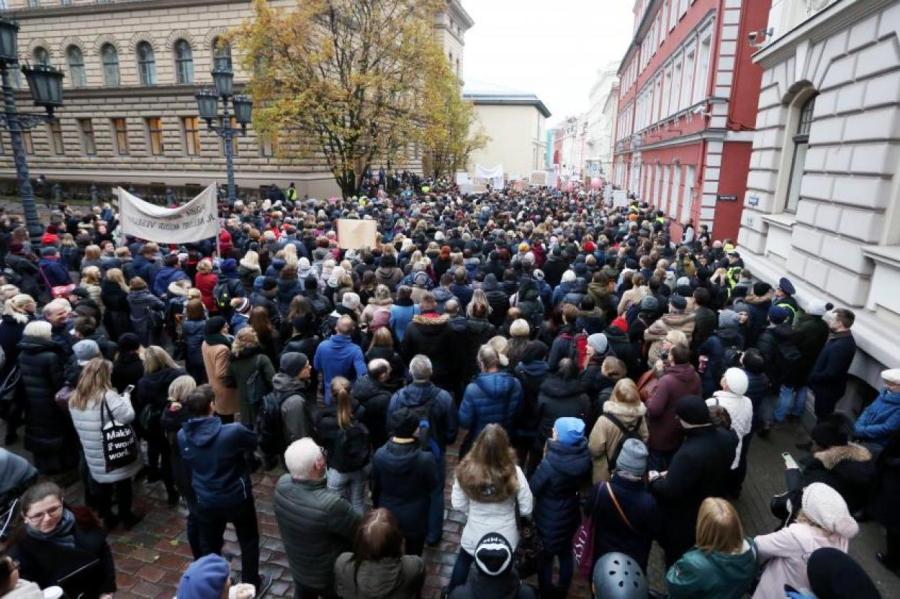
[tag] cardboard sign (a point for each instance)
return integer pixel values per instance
(356, 234)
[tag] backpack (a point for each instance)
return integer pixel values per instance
(223, 293)
(578, 348)
(351, 448)
(632, 312)
(269, 425)
(789, 355)
(427, 441)
(256, 385)
(628, 432)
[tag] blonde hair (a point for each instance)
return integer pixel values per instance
(93, 383)
(90, 275)
(156, 358)
(17, 304)
(92, 252)
(181, 387)
(205, 266)
(250, 259)
(719, 527)
(675, 337)
(626, 392)
(118, 277)
(613, 368)
(8, 291)
(245, 338)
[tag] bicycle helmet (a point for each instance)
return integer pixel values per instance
(618, 576)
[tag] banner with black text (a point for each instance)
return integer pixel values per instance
(194, 221)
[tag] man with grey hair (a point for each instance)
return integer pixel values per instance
(437, 416)
(339, 356)
(316, 523)
(493, 397)
(57, 312)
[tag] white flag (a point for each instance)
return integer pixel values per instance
(194, 221)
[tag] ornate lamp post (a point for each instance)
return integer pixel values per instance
(207, 106)
(45, 83)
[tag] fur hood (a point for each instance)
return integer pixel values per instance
(624, 410)
(833, 456)
(431, 319)
(19, 317)
(175, 289)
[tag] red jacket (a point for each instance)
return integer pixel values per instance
(665, 429)
(205, 282)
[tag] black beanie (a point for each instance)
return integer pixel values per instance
(693, 410)
(214, 325)
(832, 431)
(403, 423)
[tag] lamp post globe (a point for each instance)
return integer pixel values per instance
(207, 105)
(223, 78)
(243, 109)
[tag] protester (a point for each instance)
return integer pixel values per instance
(493, 397)
(881, 418)
(216, 351)
(339, 356)
(623, 417)
(494, 574)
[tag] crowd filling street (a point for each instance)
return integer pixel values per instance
(542, 394)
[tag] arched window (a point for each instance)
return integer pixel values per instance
(184, 62)
(798, 162)
(110, 57)
(146, 63)
(221, 54)
(76, 66)
(41, 56)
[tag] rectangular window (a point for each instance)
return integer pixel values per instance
(191, 126)
(120, 135)
(88, 144)
(27, 142)
(676, 86)
(673, 14)
(700, 81)
(687, 73)
(266, 146)
(56, 137)
(155, 135)
(667, 95)
(687, 205)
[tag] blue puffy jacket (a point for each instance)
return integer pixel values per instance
(491, 398)
(54, 271)
(338, 356)
(215, 453)
(165, 277)
(555, 485)
(441, 415)
(880, 419)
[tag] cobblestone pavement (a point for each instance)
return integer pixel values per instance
(151, 557)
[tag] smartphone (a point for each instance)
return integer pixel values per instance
(128, 390)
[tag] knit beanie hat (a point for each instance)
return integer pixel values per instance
(493, 554)
(403, 423)
(598, 343)
(728, 318)
(826, 508)
(677, 302)
(129, 342)
(649, 304)
(761, 288)
(86, 350)
(292, 363)
(569, 430)
(778, 314)
(693, 410)
(214, 325)
(632, 457)
(835, 575)
(818, 307)
(737, 381)
(204, 579)
(519, 328)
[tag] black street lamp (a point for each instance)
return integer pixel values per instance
(208, 107)
(45, 83)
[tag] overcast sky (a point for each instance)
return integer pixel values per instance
(552, 48)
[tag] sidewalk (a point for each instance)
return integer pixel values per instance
(151, 558)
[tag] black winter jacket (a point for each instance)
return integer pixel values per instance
(374, 398)
(555, 485)
(611, 533)
(558, 398)
(316, 525)
(403, 477)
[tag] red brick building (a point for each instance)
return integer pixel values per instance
(687, 108)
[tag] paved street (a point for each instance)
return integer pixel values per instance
(150, 558)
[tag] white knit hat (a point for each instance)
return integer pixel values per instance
(737, 382)
(825, 506)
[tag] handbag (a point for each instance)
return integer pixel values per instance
(529, 549)
(58, 290)
(9, 384)
(583, 546)
(119, 443)
(62, 396)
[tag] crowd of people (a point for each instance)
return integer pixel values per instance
(592, 385)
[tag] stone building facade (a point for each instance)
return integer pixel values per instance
(130, 117)
(823, 195)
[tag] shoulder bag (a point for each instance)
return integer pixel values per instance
(119, 443)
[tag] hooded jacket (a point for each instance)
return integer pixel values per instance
(374, 397)
(338, 356)
(388, 276)
(166, 276)
(429, 334)
(403, 478)
(442, 420)
(713, 575)
(660, 327)
(555, 486)
(848, 469)
(505, 586)
(493, 397)
(297, 414)
(676, 382)
(389, 578)
(559, 398)
(880, 419)
(606, 437)
(215, 453)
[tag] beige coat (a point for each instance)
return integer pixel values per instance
(661, 327)
(215, 360)
(606, 436)
(632, 296)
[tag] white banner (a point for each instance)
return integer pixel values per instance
(196, 220)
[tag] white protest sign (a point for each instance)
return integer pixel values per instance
(356, 234)
(196, 220)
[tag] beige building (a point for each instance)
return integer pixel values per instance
(129, 116)
(516, 126)
(823, 195)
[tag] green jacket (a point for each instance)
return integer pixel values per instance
(699, 575)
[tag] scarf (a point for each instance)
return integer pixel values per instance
(63, 535)
(217, 339)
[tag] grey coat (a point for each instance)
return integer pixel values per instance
(316, 525)
(88, 425)
(389, 578)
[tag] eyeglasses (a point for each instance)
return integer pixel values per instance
(52, 513)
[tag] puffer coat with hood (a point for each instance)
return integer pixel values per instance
(660, 328)
(484, 514)
(389, 578)
(555, 485)
(403, 477)
(492, 397)
(497, 299)
(559, 398)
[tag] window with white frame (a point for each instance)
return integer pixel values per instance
(701, 80)
(687, 203)
(798, 162)
(686, 76)
(676, 190)
(676, 84)
(658, 101)
(682, 7)
(673, 14)
(667, 94)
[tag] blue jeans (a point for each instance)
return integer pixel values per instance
(461, 569)
(351, 485)
(790, 401)
(436, 507)
(545, 573)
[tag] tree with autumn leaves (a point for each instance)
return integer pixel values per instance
(357, 83)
